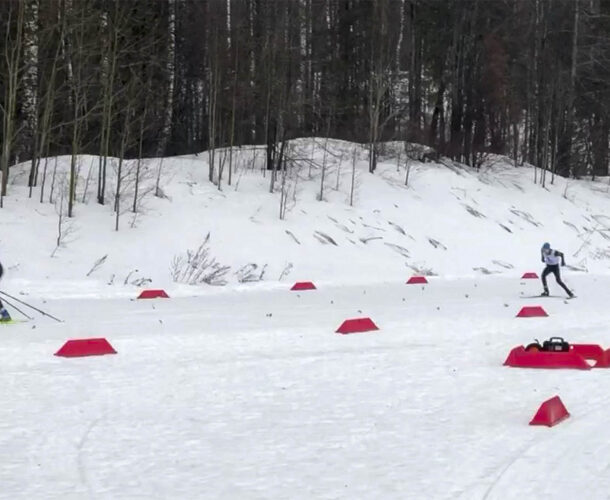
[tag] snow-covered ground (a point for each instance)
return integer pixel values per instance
(245, 391)
(251, 394)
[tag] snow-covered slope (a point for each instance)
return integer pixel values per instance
(450, 221)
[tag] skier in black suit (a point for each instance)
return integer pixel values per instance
(552, 259)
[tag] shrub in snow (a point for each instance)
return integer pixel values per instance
(198, 267)
(250, 272)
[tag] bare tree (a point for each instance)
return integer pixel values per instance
(46, 124)
(12, 57)
(110, 60)
(289, 184)
(53, 179)
(125, 138)
(214, 83)
(233, 110)
(408, 154)
(339, 165)
(353, 181)
(78, 91)
(65, 227)
(158, 190)
(170, 75)
(142, 127)
(323, 171)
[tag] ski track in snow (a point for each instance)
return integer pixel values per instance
(247, 392)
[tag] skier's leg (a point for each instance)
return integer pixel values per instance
(545, 273)
(561, 283)
(4, 315)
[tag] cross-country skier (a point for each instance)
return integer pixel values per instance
(4, 315)
(552, 258)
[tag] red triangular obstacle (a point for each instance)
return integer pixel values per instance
(531, 312)
(604, 360)
(529, 276)
(153, 294)
(550, 413)
(85, 347)
(520, 358)
(588, 351)
(303, 285)
(417, 280)
(357, 325)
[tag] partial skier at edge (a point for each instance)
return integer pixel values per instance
(552, 259)
(4, 315)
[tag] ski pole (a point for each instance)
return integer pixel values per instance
(13, 306)
(31, 306)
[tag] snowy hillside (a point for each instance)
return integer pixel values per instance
(450, 221)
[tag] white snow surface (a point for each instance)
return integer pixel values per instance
(246, 391)
(251, 394)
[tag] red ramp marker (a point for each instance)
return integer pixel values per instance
(529, 276)
(532, 312)
(153, 294)
(417, 280)
(303, 285)
(520, 358)
(85, 347)
(604, 360)
(550, 413)
(357, 325)
(588, 351)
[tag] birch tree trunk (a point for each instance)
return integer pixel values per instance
(30, 85)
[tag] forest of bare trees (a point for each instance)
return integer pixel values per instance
(132, 78)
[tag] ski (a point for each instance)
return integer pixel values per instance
(44, 313)
(547, 297)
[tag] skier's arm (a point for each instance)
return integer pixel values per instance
(541, 256)
(559, 254)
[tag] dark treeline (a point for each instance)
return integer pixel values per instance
(133, 78)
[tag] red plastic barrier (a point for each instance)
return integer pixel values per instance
(604, 360)
(520, 358)
(357, 325)
(529, 276)
(85, 347)
(532, 312)
(417, 280)
(588, 351)
(550, 413)
(153, 294)
(303, 285)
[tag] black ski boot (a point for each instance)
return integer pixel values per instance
(4, 315)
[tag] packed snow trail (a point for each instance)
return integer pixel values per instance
(251, 394)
